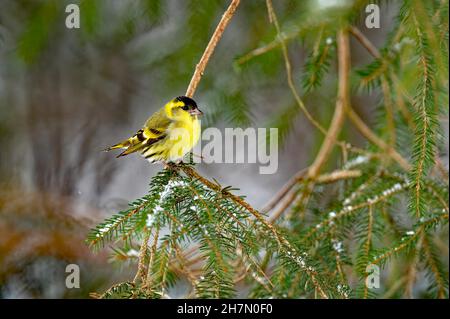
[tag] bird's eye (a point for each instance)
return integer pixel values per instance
(185, 107)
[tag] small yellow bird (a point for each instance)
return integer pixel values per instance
(168, 134)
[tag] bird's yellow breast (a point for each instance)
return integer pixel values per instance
(184, 133)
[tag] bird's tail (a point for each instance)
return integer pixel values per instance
(130, 145)
(137, 142)
(123, 144)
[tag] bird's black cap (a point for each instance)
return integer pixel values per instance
(187, 101)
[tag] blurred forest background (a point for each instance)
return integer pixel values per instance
(65, 94)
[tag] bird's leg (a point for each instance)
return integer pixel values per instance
(170, 165)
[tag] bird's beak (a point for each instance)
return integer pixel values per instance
(196, 112)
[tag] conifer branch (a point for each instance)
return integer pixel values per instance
(113, 225)
(284, 245)
(434, 267)
(350, 209)
(148, 281)
(142, 253)
(407, 240)
(424, 146)
(406, 243)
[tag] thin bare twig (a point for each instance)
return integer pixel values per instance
(289, 196)
(365, 42)
(288, 200)
(200, 68)
(372, 137)
(342, 102)
(268, 47)
(284, 190)
(288, 67)
(338, 175)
